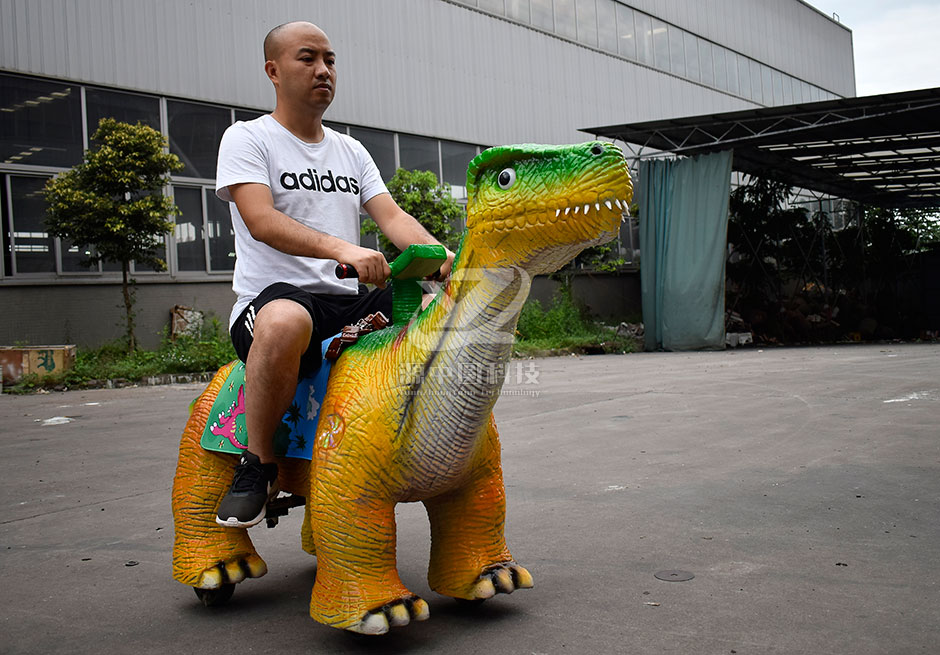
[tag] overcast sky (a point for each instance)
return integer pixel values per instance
(896, 42)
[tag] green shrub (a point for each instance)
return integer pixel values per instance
(563, 328)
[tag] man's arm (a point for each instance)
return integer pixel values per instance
(281, 232)
(400, 227)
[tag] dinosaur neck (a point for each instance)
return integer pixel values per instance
(462, 342)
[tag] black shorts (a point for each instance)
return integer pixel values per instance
(330, 313)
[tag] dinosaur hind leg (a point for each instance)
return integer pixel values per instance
(206, 555)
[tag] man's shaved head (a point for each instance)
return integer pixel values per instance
(274, 41)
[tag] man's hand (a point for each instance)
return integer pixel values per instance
(446, 267)
(370, 264)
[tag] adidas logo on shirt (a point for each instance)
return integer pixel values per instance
(326, 183)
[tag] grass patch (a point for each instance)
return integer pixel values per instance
(562, 329)
(206, 351)
(559, 330)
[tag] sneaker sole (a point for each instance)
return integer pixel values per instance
(233, 522)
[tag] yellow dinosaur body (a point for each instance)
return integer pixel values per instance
(408, 411)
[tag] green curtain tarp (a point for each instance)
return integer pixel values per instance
(683, 237)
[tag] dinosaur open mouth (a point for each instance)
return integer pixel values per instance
(603, 213)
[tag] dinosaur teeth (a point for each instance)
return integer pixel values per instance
(586, 208)
(577, 209)
(609, 205)
(567, 209)
(597, 206)
(617, 202)
(557, 212)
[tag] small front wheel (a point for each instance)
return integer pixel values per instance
(215, 597)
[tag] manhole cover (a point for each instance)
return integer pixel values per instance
(674, 576)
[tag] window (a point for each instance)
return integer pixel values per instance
(339, 127)
(220, 231)
(797, 90)
(660, 44)
(195, 132)
(189, 232)
(30, 247)
(744, 76)
(606, 25)
(418, 153)
(381, 145)
(625, 30)
(493, 6)
(677, 51)
(40, 122)
(706, 62)
(247, 114)
(455, 157)
(732, 60)
(756, 93)
(126, 107)
(644, 38)
(518, 10)
(767, 85)
(587, 22)
(721, 68)
(565, 23)
(541, 14)
(693, 70)
(776, 79)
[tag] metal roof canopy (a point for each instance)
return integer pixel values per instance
(881, 150)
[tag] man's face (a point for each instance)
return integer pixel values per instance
(304, 69)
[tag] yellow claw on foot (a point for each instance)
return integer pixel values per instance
(502, 578)
(232, 571)
(394, 614)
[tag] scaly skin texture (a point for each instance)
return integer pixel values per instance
(408, 412)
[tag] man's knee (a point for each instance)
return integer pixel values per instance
(283, 321)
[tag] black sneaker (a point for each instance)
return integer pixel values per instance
(253, 486)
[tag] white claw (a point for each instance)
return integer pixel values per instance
(608, 203)
(557, 212)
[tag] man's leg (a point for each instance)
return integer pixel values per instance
(281, 333)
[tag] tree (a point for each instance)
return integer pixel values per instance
(430, 202)
(113, 202)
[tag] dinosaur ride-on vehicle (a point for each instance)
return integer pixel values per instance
(405, 413)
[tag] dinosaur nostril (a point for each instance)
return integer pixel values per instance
(597, 150)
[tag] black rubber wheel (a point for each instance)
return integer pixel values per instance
(215, 597)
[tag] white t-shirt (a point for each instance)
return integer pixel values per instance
(321, 185)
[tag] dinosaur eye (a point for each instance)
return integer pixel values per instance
(506, 178)
(597, 150)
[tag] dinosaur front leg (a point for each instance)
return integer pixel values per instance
(206, 555)
(357, 585)
(469, 557)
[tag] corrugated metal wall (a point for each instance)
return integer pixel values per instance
(421, 66)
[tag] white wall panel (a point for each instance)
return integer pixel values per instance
(422, 66)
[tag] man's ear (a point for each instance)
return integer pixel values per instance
(270, 68)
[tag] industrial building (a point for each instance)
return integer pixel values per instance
(423, 84)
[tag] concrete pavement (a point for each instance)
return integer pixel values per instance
(800, 486)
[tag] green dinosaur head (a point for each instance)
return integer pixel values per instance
(538, 206)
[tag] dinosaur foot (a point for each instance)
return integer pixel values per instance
(399, 612)
(502, 578)
(232, 571)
